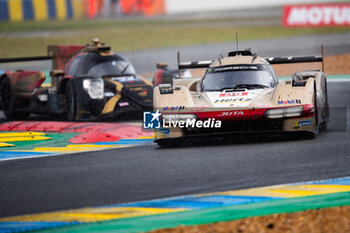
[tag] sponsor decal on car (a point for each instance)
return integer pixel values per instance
(304, 123)
(232, 113)
(231, 100)
(295, 101)
(173, 108)
(233, 94)
(123, 104)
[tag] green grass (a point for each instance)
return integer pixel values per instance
(120, 23)
(17, 39)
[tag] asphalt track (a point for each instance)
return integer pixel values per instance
(141, 173)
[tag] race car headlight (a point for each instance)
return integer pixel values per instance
(94, 87)
(178, 117)
(284, 112)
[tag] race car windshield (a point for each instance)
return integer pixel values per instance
(237, 77)
(112, 68)
(98, 66)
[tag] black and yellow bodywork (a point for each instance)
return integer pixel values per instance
(87, 82)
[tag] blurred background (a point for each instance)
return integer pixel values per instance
(147, 31)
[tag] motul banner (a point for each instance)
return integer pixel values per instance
(316, 15)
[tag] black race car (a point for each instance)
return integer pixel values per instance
(87, 82)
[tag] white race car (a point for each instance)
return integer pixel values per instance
(241, 93)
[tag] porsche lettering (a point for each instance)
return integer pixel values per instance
(235, 68)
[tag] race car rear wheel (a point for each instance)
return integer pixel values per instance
(316, 114)
(169, 142)
(8, 101)
(71, 102)
(325, 109)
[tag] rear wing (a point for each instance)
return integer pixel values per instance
(298, 59)
(194, 65)
(59, 54)
(24, 59)
(271, 60)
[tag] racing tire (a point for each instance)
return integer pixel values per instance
(162, 143)
(71, 102)
(316, 114)
(324, 124)
(168, 143)
(8, 101)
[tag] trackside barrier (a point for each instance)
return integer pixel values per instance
(38, 10)
(19, 10)
(316, 15)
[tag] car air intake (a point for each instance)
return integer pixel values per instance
(247, 52)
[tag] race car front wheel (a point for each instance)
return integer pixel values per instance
(71, 102)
